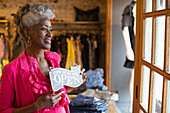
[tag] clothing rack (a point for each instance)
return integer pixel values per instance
(5, 35)
(4, 24)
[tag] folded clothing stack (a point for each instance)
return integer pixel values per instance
(84, 104)
(95, 79)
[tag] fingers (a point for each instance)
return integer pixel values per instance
(57, 95)
(82, 71)
(57, 100)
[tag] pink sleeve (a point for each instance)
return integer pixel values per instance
(6, 92)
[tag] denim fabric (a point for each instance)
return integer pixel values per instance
(90, 108)
(77, 111)
(89, 73)
(81, 100)
(104, 87)
(95, 79)
(88, 104)
(99, 71)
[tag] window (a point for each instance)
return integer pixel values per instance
(152, 57)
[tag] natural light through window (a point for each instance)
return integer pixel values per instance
(157, 93)
(145, 87)
(148, 39)
(148, 6)
(160, 39)
(160, 4)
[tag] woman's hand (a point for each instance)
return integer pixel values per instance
(84, 77)
(47, 100)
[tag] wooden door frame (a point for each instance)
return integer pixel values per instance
(138, 53)
(109, 9)
(108, 54)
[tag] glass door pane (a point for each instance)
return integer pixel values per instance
(141, 111)
(159, 44)
(145, 87)
(157, 93)
(168, 98)
(148, 6)
(148, 39)
(168, 39)
(160, 4)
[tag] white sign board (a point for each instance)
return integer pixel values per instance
(60, 77)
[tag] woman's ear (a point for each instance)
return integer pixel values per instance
(26, 34)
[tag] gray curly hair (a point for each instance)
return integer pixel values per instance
(30, 14)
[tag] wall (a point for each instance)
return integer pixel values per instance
(64, 9)
(120, 75)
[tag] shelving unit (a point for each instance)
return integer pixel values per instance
(4, 26)
(78, 25)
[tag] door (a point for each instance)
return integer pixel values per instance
(152, 57)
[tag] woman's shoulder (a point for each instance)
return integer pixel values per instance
(12, 65)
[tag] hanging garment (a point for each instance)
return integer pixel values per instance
(88, 50)
(59, 45)
(85, 52)
(128, 21)
(2, 46)
(100, 51)
(4, 52)
(77, 51)
(93, 50)
(70, 53)
(63, 49)
(90, 53)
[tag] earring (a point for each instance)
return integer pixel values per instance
(29, 43)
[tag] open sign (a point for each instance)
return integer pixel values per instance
(60, 77)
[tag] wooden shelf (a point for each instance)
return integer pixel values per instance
(3, 21)
(4, 24)
(79, 22)
(78, 25)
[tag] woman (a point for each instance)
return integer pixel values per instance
(25, 84)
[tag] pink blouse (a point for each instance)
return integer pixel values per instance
(22, 83)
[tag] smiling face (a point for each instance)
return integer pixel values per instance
(41, 35)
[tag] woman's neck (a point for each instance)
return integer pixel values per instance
(38, 54)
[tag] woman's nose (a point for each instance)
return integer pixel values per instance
(49, 33)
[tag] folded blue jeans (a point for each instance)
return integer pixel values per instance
(77, 111)
(81, 100)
